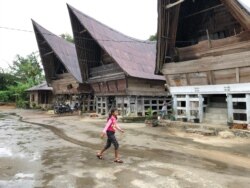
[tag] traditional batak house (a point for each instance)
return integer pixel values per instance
(119, 68)
(203, 51)
(41, 96)
(62, 70)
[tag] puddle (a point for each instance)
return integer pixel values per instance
(24, 176)
(4, 152)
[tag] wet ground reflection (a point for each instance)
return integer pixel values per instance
(62, 154)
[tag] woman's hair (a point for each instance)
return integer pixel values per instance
(112, 111)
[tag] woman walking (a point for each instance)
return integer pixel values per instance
(109, 130)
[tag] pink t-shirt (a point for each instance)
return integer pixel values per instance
(111, 125)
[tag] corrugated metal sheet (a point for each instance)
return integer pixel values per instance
(135, 57)
(43, 86)
(63, 49)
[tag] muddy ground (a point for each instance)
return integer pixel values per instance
(44, 150)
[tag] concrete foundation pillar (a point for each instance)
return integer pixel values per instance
(201, 99)
(248, 107)
(175, 106)
(230, 108)
(187, 107)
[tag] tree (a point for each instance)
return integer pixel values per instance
(153, 37)
(6, 79)
(67, 37)
(27, 69)
(27, 73)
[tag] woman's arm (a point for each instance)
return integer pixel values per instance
(107, 126)
(119, 128)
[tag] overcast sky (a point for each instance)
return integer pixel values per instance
(135, 18)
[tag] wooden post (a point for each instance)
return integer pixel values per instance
(88, 106)
(83, 104)
(96, 104)
(208, 38)
(229, 108)
(200, 107)
(237, 75)
(123, 113)
(106, 106)
(248, 107)
(188, 79)
(101, 105)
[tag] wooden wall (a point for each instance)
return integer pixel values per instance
(233, 44)
(113, 87)
(37, 97)
(225, 69)
(67, 84)
(144, 87)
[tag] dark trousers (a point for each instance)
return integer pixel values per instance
(111, 140)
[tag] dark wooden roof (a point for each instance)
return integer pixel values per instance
(135, 57)
(41, 87)
(64, 50)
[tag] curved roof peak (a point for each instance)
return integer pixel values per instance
(108, 27)
(135, 57)
(63, 49)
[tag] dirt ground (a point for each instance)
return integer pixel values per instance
(44, 150)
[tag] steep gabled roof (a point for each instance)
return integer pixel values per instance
(64, 50)
(135, 57)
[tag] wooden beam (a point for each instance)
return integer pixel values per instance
(188, 79)
(230, 61)
(208, 39)
(83, 31)
(171, 5)
(51, 52)
(205, 10)
(210, 77)
(238, 13)
(237, 75)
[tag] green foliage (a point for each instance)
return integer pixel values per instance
(20, 94)
(153, 37)
(67, 37)
(150, 114)
(6, 79)
(5, 96)
(27, 69)
(24, 73)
